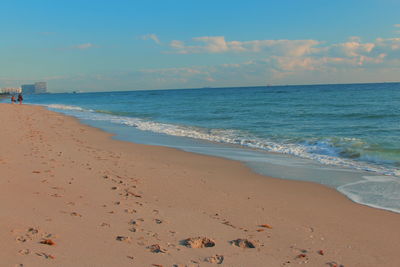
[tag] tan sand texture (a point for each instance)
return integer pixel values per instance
(72, 196)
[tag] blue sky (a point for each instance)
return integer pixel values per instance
(94, 45)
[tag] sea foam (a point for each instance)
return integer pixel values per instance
(376, 191)
(67, 107)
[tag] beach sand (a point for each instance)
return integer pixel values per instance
(72, 196)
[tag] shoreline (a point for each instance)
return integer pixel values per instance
(355, 175)
(128, 197)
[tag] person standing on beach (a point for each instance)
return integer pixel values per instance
(20, 98)
(13, 100)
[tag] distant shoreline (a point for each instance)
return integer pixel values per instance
(81, 91)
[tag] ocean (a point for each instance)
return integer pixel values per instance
(344, 136)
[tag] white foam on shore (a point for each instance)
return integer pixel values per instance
(67, 107)
(381, 192)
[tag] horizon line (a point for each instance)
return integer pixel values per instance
(226, 87)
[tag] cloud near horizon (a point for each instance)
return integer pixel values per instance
(151, 36)
(397, 26)
(286, 60)
(83, 46)
(307, 54)
(218, 44)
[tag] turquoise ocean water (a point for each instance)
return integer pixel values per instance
(343, 136)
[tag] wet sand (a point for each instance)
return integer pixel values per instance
(72, 196)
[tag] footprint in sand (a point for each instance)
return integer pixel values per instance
(30, 234)
(198, 242)
(136, 222)
(228, 223)
(46, 255)
(244, 243)
(130, 211)
(24, 251)
(156, 248)
(123, 238)
(218, 259)
(21, 239)
(75, 214)
(130, 193)
(158, 221)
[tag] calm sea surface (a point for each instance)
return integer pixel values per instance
(350, 134)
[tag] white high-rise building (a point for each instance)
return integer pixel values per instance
(40, 87)
(36, 88)
(11, 90)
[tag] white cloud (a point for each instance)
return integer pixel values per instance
(178, 45)
(349, 49)
(392, 43)
(213, 44)
(151, 36)
(354, 39)
(299, 54)
(397, 26)
(83, 46)
(218, 44)
(390, 47)
(286, 60)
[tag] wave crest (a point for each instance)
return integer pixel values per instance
(67, 107)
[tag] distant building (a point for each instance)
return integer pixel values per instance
(40, 87)
(37, 88)
(28, 89)
(11, 90)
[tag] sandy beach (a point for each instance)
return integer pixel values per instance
(72, 196)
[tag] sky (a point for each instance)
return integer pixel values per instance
(98, 45)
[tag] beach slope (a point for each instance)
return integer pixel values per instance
(72, 196)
